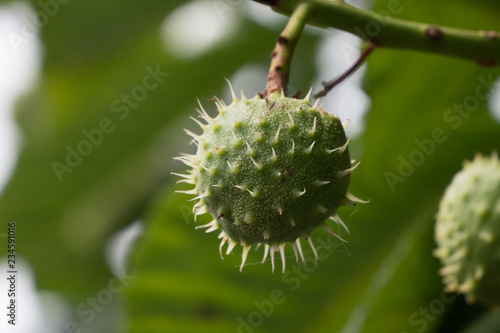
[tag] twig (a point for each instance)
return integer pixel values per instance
(279, 72)
(331, 84)
(481, 46)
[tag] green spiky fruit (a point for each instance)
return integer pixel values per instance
(269, 171)
(468, 231)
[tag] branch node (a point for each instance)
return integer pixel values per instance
(434, 33)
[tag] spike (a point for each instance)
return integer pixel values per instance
(313, 129)
(346, 202)
(282, 253)
(479, 272)
(321, 182)
(191, 192)
(292, 151)
(201, 196)
(258, 166)
(321, 209)
(243, 97)
(200, 211)
(468, 285)
(315, 105)
(197, 205)
(181, 175)
(274, 158)
(345, 172)
(233, 95)
(276, 137)
(257, 246)
(292, 123)
(298, 193)
(191, 134)
(292, 222)
(266, 234)
(235, 168)
(309, 239)
(236, 141)
(346, 123)
(220, 151)
(188, 160)
(299, 247)
(244, 255)
(336, 218)
(450, 269)
(213, 228)
(309, 150)
(308, 96)
(203, 113)
(212, 171)
(259, 137)
(231, 246)
(223, 241)
(341, 149)
(219, 185)
(250, 151)
(220, 104)
(266, 252)
(457, 255)
(294, 247)
(355, 199)
(249, 218)
(187, 181)
(282, 93)
(254, 194)
(272, 257)
(280, 210)
(486, 236)
(262, 122)
(330, 231)
(203, 126)
(211, 224)
(243, 187)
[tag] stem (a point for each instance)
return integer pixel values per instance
(279, 72)
(483, 47)
(331, 84)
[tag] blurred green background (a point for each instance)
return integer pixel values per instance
(104, 234)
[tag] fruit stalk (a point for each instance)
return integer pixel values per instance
(481, 46)
(279, 71)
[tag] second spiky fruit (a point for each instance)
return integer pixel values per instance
(269, 171)
(468, 231)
